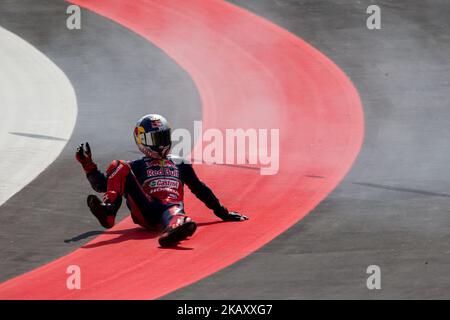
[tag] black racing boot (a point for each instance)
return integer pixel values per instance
(178, 231)
(104, 212)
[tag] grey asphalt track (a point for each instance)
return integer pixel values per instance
(392, 210)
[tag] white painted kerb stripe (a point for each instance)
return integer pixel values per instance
(38, 110)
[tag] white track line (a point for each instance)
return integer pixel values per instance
(38, 111)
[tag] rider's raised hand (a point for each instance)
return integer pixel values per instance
(84, 156)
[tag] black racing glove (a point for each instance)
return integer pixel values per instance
(84, 156)
(225, 215)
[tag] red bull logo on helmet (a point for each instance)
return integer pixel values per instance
(138, 131)
(156, 123)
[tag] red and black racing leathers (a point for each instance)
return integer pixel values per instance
(153, 188)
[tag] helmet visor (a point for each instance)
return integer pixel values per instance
(157, 138)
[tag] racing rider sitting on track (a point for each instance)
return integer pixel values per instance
(152, 185)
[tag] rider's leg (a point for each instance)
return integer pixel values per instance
(122, 182)
(177, 226)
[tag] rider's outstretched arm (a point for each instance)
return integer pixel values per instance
(205, 194)
(96, 178)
